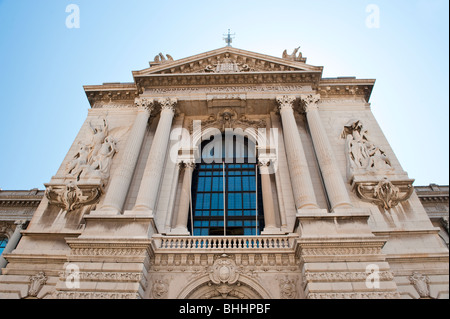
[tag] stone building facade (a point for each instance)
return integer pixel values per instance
(229, 174)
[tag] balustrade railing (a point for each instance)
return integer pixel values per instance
(223, 242)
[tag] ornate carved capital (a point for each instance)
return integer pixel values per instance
(285, 102)
(186, 164)
(144, 104)
(168, 104)
(310, 101)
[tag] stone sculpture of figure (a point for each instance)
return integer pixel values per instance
(378, 159)
(357, 150)
(292, 56)
(75, 166)
(363, 154)
(101, 162)
(100, 132)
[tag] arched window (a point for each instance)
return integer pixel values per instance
(227, 171)
(3, 243)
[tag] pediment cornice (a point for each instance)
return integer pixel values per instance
(226, 60)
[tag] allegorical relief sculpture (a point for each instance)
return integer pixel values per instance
(362, 154)
(93, 159)
(368, 167)
(87, 172)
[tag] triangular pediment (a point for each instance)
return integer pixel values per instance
(226, 60)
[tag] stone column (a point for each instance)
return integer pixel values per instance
(12, 242)
(298, 166)
(270, 226)
(154, 167)
(185, 199)
(121, 179)
(334, 184)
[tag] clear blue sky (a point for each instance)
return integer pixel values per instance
(44, 65)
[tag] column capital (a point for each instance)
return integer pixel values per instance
(310, 101)
(168, 104)
(144, 104)
(189, 164)
(20, 224)
(285, 102)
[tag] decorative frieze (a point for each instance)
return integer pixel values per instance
(354, 295)
(104, 276)
(95, 295)
(342, 276)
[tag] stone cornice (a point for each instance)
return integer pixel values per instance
(253, 59)
(21, 198)
(243, 78)
(345, 86)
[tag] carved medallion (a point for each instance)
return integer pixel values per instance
(224, 271)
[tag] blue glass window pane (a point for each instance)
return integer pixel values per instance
(198, 213)
(215, 201)
(205, 223)
(199, 202)
(205, 231)
(238, 201)
(205, 213)
(197, 223)
(206, 200)
(207, 184)
(196, 231)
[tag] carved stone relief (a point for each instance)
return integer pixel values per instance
(288, 287)
(87, 173)
(384, 193)
(160, 288)
(362, 154)
(229, 119)
(71, 197)
(421, 284)
(37, 281)
(368, 168)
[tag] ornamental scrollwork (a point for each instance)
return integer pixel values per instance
(383, 193)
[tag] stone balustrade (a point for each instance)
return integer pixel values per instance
(224, 242)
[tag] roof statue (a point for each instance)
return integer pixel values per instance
(293, 56)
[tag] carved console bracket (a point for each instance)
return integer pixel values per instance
(73, 195)
(383, 193)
